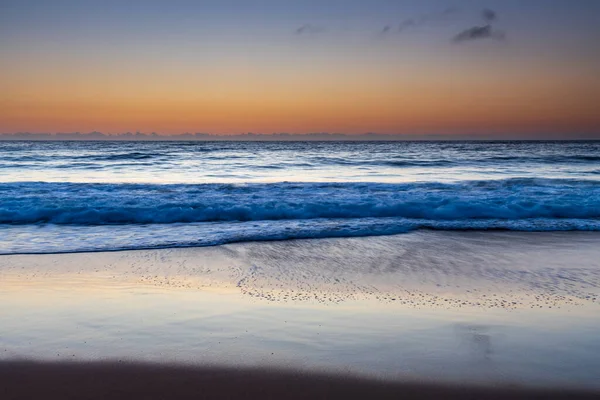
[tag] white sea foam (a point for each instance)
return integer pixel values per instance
(48, 217)
(103, 204)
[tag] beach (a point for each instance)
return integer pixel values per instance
(499, 310)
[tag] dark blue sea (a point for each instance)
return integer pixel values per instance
(103, 196)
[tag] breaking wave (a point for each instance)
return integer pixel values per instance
(122, 204)
(64, 217)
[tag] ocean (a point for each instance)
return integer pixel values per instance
(58, 197)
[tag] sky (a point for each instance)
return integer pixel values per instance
(493, 67)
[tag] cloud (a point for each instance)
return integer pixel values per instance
(450, 10)
(489, 15)
(409, 23)
(309, 29)
(481, 32)
(474, 33)
(478, 32)
(424, 19)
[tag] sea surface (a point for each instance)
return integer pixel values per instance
(103, 196)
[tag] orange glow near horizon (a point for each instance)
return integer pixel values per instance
(408, 105)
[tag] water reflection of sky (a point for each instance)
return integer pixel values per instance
(114, 321)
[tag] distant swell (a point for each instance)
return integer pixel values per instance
(123, 204)
(408, 162)
(127, 156)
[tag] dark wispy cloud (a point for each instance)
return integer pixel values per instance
(309, 29)
(408, 23)
(386, 29)
(481, 32)
(450, 10)
(421, 20)
(478, 32)
(489, 15)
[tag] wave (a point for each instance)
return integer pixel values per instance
(128, 156)
(123, 204)
(473, 161)
(554, 158)
(42, 239)
(71, 217)
(351, 158)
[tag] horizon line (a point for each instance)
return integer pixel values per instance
(284, 136)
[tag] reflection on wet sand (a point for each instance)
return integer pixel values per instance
(425, 269)
(504, 308)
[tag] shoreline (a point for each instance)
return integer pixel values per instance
(425, 231)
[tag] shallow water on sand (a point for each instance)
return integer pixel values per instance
(464, 307)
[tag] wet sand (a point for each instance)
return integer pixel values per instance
(464, 309)
(28, 380)
(450, 270)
